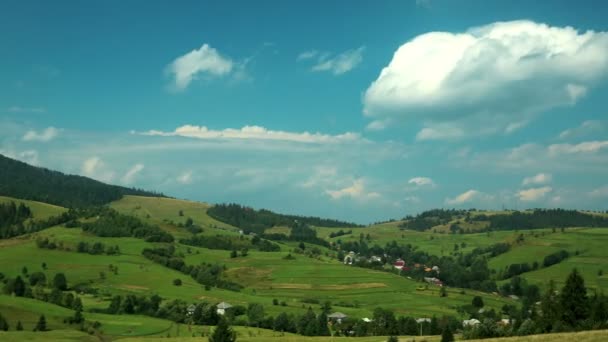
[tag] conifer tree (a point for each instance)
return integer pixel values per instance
(573, 300)
(41, 325)
(446, 335)
(222, 332)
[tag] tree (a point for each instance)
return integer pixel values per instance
(41, 325)
(477, 302)
(44, 266)
(24, 270)
(443, 292)
(573, 300)
(233, 254)
(446, 335)
(323, 328)
(177, 282)
(19, 326)
(60, 282)
(222, 332)
(19, 287)
(255, 313)
(3, 323)
(37, 278)
(392, 339)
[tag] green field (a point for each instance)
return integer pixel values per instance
(268, 276)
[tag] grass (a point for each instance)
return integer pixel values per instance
(40, 210)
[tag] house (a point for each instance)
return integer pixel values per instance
(436, 269)
(190, 309)
(375, 258)
(399, 264)
(337, 316)
(504, 322)
(470, 322)
(433, 281)
(222, 307)
(367, 320)
(423, 320)
(349, 258)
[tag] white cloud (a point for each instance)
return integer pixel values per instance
(205, 60)
(412, 199)
(341, 63)
(540, 178)
(502, 74)
(19, 109)
(185, 178)
(584, 147)
(255, 133)
(421, 182)
(599, 192)
(307, 55)
(466, 197)
(94, 167)
(585, 128)
(130, 175)
(377, 125)
(533, 194)
(441, 132)
(356, 191)
(46, 135)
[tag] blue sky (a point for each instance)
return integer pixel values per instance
(355, 110)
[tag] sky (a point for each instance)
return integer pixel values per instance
(362, 111)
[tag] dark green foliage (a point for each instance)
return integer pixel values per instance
(446, 335)
(12, 218)
(18, 179)
(19, 287)
(555, 258)
(573, 300)
(257, 221)
(216, 242)
(113, 224)
(222, 332)
(3, 323)
(37, 278)
(206, 274)
(392, 339)
(477, 302)
(177, 282)
(41, 325)
(255, 314)
(543, 218)
(19, 326)
(430, 219)
(60, 282)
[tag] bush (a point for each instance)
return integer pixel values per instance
(177, 282)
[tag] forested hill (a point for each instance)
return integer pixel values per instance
(258, 220)
(20, 180)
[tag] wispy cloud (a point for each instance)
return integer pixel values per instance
(185, 178)
(95, 168)
(203, 61)
(129, 177)
(533, 194)
(335, 64)
(467, 197)
(46, 135)
(19, 109)
(540, 178)
(585, 128)
(357, 190)
(341, 63)
(584, 147)
(420, 182)
(255, 133)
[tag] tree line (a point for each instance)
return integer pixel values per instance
(110, 223)
(258, 221)
(20, 180)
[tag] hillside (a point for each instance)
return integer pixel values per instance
(20, 180)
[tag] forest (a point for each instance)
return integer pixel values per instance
(20, 180)
(257, 221)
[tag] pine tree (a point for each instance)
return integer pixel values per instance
(41, 325)
(222, 332)
(19, 287)
(3, 323)
(573, 300)
(19, 326)
(60, 282)
(446, 335)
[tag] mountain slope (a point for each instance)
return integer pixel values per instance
(20, 180)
